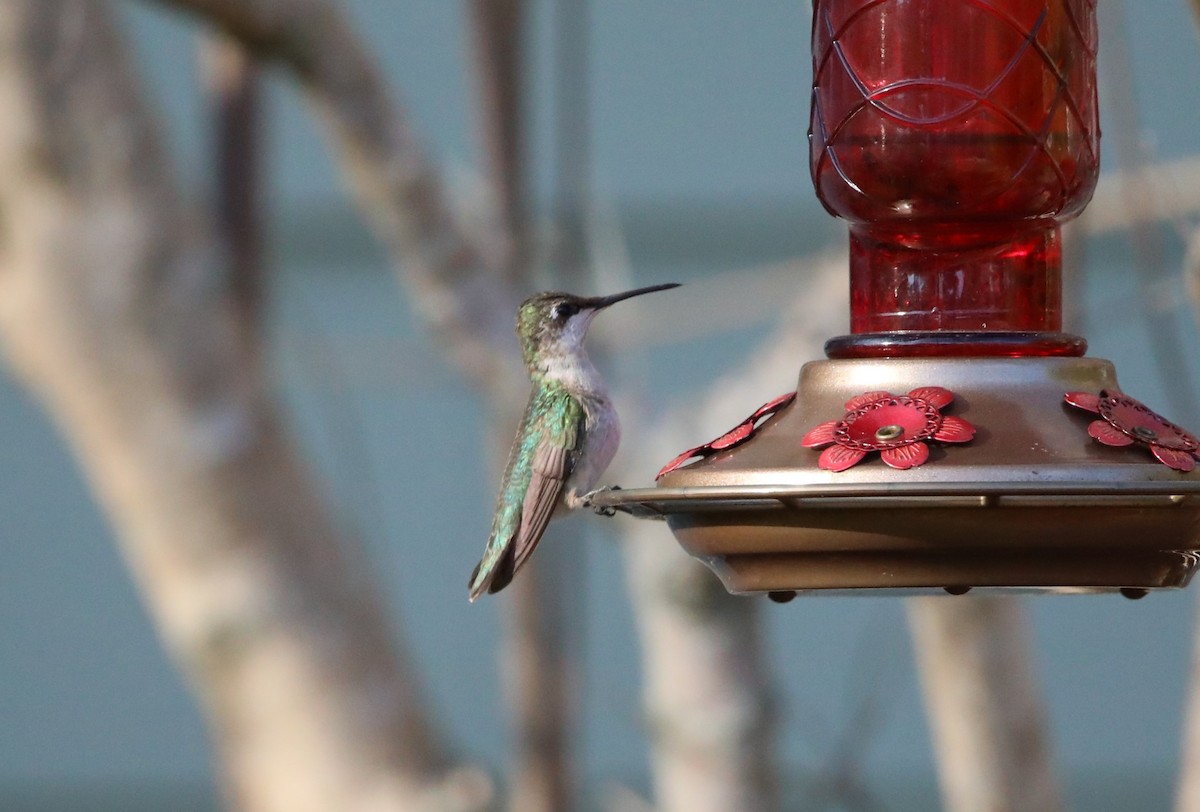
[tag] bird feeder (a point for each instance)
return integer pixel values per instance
(956, 438)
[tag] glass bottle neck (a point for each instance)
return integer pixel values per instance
(991, 289)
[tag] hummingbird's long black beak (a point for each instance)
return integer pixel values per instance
(601, 302)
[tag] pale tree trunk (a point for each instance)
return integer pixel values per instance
(710, 703)
(114, 310)
(981, 696)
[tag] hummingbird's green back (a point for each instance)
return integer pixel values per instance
(539, 464)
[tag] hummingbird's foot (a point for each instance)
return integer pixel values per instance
(606, 510)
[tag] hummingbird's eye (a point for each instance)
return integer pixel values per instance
(563, 311)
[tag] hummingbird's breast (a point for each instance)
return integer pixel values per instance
(602, 435)
(573, 370)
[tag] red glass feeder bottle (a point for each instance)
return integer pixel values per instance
(955, 438)
(954, 137)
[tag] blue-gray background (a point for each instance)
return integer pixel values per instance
(699, 117)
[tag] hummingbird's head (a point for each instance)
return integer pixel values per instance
(553, 324)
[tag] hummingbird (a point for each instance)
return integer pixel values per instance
(566, 439)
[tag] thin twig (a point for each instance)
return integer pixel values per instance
(456, 278)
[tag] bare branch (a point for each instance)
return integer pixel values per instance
(114, 310)
(455, 278)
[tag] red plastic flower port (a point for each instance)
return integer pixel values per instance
(897, 426)
(1125, 421)
(734, 437)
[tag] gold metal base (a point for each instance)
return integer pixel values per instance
(1032, 503)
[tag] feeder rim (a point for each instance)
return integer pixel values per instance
(651, 502)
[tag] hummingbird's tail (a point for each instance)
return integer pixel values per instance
(494, 579)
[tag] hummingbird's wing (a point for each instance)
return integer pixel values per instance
(546, 450)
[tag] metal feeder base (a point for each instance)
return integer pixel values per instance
(1032, 503)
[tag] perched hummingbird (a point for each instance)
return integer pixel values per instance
(566, 439)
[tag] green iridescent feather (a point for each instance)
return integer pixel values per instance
(560, 417)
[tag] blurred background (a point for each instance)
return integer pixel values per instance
(698, 174)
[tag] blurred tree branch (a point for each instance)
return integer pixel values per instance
(117, 312)
(458, 279)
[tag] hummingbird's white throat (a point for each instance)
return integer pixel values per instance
(564, 358)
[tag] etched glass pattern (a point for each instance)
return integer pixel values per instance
(954, 136)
